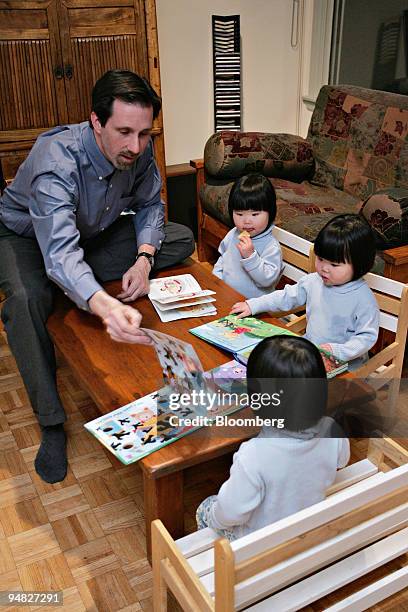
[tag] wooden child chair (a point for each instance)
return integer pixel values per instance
(360, 526)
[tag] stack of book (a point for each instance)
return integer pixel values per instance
(240, 336)
(180, 297)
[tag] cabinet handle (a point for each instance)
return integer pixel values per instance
(69, 71)
(58, 72)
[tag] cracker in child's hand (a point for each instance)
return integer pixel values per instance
(243, 234)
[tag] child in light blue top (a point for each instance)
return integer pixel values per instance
(250, 256)
(283, 469)
(341, 310)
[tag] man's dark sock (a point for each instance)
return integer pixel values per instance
(51, 460)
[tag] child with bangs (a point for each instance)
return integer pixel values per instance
(250, 256)
(341, 310)
(280, 471)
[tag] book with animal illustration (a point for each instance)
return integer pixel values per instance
(234, 334)
(333, 365)
(149, 423)
(240, 336)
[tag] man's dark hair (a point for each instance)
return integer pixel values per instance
(126, 86)
(253, 192)
(349, 239)
(293, 368)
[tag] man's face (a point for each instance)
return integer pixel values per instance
(125, 135)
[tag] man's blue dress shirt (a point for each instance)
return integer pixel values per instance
(66, 191)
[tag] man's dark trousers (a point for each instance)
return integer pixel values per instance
(30, 298)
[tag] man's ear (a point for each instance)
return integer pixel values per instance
(95, 122)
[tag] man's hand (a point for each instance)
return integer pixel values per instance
(241, 309)
(245, 246)
(135, 282)
(122, 322)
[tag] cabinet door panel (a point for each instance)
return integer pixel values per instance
(96, 39)
(29, 51)
(32, 99)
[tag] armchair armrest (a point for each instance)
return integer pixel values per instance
(387, 213)
(229, 155)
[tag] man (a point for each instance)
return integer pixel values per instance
(63, 222)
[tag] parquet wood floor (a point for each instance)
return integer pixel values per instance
(86, 535)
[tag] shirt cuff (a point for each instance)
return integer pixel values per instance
(84, 290)
(151, 236)
(251, 262)
(254, 305)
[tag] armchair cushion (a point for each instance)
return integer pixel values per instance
(229, 155)
(360, 140)
(302, 208)
(387, 213)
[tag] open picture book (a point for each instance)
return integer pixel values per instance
(151, 422)
(240, 336)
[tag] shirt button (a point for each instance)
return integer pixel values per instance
(102, 228)
(100, 178)
(110, 186)
(107, 208)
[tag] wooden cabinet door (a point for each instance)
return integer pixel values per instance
(51, 54)
(99, 35)
(31, 97)
(96, 36)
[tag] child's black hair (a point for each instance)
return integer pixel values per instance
(347, 239)
(293, 368)
(253, 192)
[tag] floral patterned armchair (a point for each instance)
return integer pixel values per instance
(354, 159)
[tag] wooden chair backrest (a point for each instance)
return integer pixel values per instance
(269, 559)
(297, 254)
(294, 547)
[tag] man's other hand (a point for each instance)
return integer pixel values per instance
(135, 282)
(122, 322)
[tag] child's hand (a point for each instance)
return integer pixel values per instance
(245, 246)
(327, 347)
(241, 309)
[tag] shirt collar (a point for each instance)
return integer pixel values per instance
(266, 231)
(348, 287)
(102, 166)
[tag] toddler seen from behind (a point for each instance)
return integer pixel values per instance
(280, 471)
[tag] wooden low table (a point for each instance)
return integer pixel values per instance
(115, 374)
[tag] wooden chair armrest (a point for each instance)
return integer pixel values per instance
(197, 163)
(298, 326)
(396, 256)
(380, 448)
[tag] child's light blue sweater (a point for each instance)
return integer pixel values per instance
(345, 316)
(255, 275)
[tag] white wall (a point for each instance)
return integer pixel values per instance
(270, 89)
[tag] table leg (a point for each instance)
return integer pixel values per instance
(163, 499)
